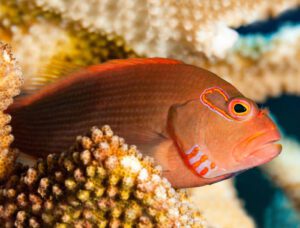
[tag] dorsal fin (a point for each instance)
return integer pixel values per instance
(51, 72)
(57, 70)
(131, 62)
(86, 73)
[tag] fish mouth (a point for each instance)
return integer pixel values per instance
(253, 151)
(260, 149)
(265, 153)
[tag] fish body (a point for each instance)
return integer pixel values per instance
(178, 113)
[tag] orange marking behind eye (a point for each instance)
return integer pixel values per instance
(204, 171)
(204, 99)
(201, 160)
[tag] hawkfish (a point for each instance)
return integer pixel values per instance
(199, 128)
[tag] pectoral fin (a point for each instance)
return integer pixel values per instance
(156, 145)
(145, 139)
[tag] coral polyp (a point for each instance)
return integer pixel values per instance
(99, 182)
(10, 83)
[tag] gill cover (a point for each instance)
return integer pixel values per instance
(184, 122)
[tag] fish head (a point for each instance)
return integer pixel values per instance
(222, 134)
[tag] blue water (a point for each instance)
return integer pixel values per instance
(286, 110)
(270, 26)
(265, 202)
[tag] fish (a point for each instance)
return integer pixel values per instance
(199, 128)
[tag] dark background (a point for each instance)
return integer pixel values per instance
(263, 200)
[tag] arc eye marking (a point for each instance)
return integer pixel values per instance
(206, 102)
(198, 161)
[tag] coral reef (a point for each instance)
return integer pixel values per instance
(285, 170)
(79, 33)
(10, 83)
(65, 46)
(100, 181)
(219, 204)
(62, 36)
(155, 28)
(269, 61)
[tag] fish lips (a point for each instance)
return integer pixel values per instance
(264, 153)
(259, 150)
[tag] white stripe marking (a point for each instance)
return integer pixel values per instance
(196, 157)
(202, 166)
(191, 150)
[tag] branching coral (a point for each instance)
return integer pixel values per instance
(285, 170)
(220, 205)
(79, 33)
(62, 35)
(56, 47)
(263, 66)
(10, 83)
(165, 27)
(100, 182)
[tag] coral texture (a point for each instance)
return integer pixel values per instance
(155, 28)
(56, 47)
(269, 61)
(100, 182)
(79, 33)
(220, 205)
(10, 83)
(62, 36)
(285, 170)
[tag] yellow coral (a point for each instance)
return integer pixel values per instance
(10, 83)
(56, 47)
(100, 181)
(76, 34)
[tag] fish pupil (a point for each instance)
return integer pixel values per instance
(239, 108)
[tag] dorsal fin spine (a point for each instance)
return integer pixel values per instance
(110, 65)
(131, 62)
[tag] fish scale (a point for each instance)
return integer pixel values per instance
(182, 116)
(130, 96)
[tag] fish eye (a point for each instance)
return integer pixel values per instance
(239, 108)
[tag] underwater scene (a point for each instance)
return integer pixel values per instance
(150, 113)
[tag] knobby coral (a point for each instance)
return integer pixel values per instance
(10, 83)
(220, 205)
(71, 34)
(99, 182)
